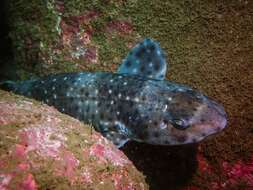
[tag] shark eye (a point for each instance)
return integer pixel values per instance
(180, 124)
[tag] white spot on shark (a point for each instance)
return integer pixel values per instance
(136, 99)
(162, 125)
(165, 107)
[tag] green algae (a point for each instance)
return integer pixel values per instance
(7, 137)
(32, 22)
(36, 33)
(46, 179)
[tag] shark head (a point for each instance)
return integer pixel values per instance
(186, 116)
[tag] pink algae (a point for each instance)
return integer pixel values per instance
(29, 183)
(23, 166)
(39, 139)
(105, 154)
(91, 55)
(67, 166)
(239, 171)
(203, 165)
(234, 175)
(20, 151)
(71, 26)
(231, 175)
(5, 180)
(119, 184)
(119, 26)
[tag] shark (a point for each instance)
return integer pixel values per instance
(135, 103)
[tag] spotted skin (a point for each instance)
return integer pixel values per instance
(132, 103)
(146, 59)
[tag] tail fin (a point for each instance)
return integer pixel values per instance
(8, 85)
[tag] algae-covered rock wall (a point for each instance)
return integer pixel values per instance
(62, 36)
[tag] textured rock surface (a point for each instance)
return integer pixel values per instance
(41, 148)
(57, 36)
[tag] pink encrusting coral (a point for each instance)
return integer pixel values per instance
(44, 149)
(104, 153)
(240, 172)
(67, 166)
(65, 36)
(29, 183)
(77, 33)
(228, 175)
(5, 180)
(40, 139)
(76, 41)
(203, 165)
(120, 27)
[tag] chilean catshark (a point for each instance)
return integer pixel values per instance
(136, 103)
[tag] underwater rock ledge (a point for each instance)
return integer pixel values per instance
(40, 148)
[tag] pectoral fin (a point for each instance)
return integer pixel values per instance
(115, 132)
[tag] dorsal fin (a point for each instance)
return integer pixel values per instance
(146, 59)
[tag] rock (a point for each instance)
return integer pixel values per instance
(41, 148)
(55, 36)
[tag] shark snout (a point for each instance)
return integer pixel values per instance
(219, 108)
(215, 116)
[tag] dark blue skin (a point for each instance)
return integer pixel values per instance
(135, 103)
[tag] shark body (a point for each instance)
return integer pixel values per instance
(136, 103)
